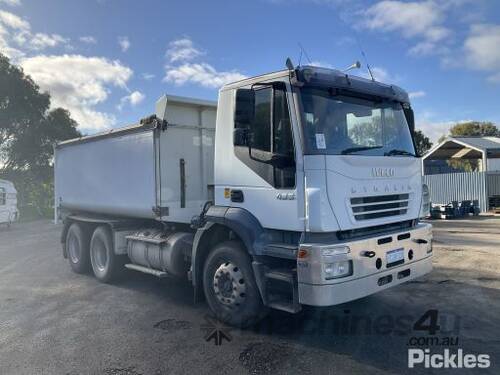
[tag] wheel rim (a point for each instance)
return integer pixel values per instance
(74, 249)
(100, 255)
(229, 285)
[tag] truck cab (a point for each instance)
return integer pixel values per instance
(320, 168)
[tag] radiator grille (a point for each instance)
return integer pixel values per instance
(378, 206)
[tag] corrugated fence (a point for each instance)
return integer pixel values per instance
(448, 187)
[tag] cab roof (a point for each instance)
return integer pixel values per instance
(330, 78)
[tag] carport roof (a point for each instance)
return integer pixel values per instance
(465, 148)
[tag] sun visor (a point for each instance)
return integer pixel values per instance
(333, 78)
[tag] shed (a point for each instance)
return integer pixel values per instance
(486, 150)
(447, 184)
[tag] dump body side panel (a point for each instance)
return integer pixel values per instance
(109, 175)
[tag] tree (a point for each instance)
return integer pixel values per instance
(28, 130)
(422, 142)
(474, 129)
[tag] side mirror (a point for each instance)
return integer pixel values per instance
(245, 106)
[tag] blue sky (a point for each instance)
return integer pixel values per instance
(107, 61)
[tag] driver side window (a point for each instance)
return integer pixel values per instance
(267, 138)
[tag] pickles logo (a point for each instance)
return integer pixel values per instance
(449, 355)
(448, 359)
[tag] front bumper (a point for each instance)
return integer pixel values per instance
(314, 289)
(334, 294)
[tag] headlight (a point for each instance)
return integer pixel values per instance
(425, 208)
(338, 269)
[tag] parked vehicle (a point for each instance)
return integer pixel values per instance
(300, 187)
(8, 203)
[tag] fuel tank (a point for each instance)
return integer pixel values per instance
(160, 250)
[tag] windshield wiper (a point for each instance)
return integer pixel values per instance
(398, 152)
(355, 149)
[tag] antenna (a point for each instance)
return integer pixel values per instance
(303, 50)
(356, 65)
(366, 59)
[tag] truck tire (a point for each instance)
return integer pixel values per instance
(105, 263)
(77, 247)
(230, 287)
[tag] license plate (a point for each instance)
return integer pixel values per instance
(395, 257)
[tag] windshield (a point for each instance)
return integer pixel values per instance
(341, 125)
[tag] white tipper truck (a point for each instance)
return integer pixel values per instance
(299, 187)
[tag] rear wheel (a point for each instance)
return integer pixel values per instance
(77, 247)
(230, 287)
(105, 263)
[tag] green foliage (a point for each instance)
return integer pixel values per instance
(422, 142)
(474, 129)
(28, 131)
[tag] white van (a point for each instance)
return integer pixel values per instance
(8, 203)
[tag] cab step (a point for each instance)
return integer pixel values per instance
(282, 291)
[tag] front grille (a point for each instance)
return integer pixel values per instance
(379, 206)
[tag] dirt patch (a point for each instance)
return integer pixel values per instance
(267, 358)
(173, 325)
(121, 371)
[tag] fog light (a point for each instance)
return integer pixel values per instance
(338, 269)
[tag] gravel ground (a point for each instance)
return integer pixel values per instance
(53, 321)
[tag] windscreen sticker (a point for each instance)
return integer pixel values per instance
(320, 141)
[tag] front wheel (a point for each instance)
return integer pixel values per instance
(230, 287)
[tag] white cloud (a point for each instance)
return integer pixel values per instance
(411, 19)
(133, 99)
(40, 41)
(79, 84)
(434, 130)
(482, 50)
(421, 20)
(124, 43)
(202, 74)
(417, 94)
(5, 47)
(15, 34)
(12, 3)
(88, 39)
(182, 50)
(148, 76)
(12, 21)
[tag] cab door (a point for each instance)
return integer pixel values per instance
(266, 152)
